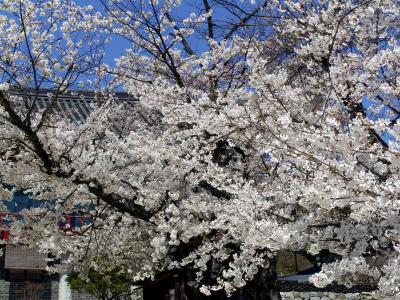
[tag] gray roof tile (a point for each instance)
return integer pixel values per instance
(75, 105)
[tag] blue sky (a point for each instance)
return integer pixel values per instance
(118, 45)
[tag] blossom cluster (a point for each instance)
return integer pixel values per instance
(253, 147)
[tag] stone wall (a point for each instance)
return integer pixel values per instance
(20, 290)
(4, 290)
(81, 296)
(326, 296)
(34, 290)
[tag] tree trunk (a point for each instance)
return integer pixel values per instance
(263, 287)
(175, 287)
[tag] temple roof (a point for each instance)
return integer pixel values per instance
(75, 105)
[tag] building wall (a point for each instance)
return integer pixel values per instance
(21, 289)
(46, 289)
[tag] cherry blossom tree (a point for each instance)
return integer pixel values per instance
(279, 134)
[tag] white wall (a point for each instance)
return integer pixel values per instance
(64, 291)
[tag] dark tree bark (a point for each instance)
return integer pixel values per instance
(263, 287)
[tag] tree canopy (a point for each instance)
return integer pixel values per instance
(261, 126)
